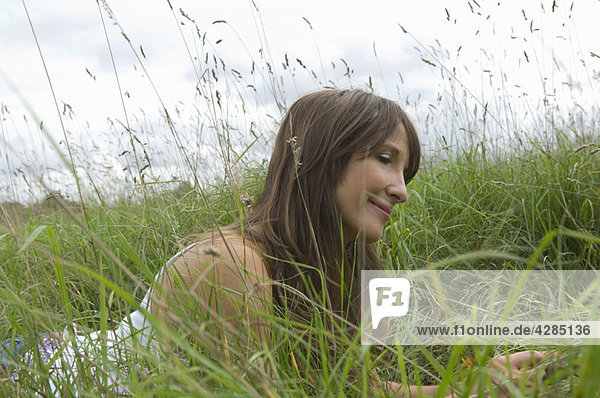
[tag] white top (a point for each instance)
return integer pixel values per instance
(135, 330)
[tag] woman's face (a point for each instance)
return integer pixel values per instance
(370, 187)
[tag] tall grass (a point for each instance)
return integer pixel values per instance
(474, 205)
(470, 204)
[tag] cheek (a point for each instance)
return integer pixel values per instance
(357, 179)
(347, 198)
(339, 195)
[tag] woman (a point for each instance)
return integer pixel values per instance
(340, 164)
(339, 155)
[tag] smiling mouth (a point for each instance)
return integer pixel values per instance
(386, 211)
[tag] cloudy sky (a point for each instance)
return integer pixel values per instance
(426, 55)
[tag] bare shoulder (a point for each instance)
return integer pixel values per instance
(233, 262)
(218, 277)
(239, 254)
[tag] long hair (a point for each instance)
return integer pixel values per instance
(296, 219)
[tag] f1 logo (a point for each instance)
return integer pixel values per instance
(388, 297)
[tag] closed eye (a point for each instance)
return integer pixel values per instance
(384, 158)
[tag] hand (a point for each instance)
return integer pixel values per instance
(510, 371)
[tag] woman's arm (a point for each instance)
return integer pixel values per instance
(510, 367)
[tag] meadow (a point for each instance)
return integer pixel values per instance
(539, 211)
(475, 204)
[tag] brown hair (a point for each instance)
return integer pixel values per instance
(297, 218)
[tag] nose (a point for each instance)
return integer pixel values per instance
(397, 190)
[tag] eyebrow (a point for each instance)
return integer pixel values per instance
(393, 147)
(396, 151)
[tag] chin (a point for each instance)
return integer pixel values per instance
(369, 235)
(373, 236)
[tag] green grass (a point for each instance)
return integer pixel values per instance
(473, 206)
(465, 212)
(509, 205)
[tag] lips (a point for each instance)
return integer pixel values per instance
(385, 210)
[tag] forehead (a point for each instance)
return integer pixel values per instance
(397, 141)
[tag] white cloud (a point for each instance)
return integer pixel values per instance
(491, 64)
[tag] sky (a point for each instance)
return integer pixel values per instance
(443, 61)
